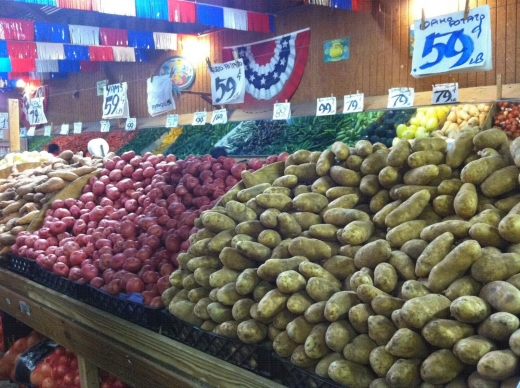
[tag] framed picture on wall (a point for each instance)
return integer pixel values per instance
(336, 50)
(181, 71)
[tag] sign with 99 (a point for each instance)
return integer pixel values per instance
(326, 106)
(199, 118)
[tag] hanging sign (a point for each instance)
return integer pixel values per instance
(4, 120)
(199, 118)
(47, 130)
(172, 121)
(64, 129)
(159, 95)
(228, 83)
(101, 86)
(400, 97)
(282, 111)
(353, 103)
(31, 130)
(131, 124)
(35, 113)
(23, 132)
(105, 126)
(451, 43)
(326, 106)
(445, 93)
(77, 128)
(115, 102)
(219, 117)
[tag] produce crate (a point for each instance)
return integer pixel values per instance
(21, 266)
(255, 358)
(62, 285)
(293, 377)
(128, 310)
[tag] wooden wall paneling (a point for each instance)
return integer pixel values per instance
(396, 43)
(386, 59)
(472, 76)
(491, 75)
(501, 55)
(404, 40)
(517, 43)
(511, 39)
(481, 75)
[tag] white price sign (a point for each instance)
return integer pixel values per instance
(115, 102)
(326, 106)
(400, 97)
(172, 121)
(30, 132)
(105, 125)
(4, 120)
(47, 130)
(228, 82)
(23, 132)
(353, 103)
(219, 117)
(445, 93)
(64, 129)
(282, 111)
(131, 124)
(451, 43)
(77, 127)
(199, 118)
(35, 112)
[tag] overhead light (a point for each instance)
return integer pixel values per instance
(20, 83)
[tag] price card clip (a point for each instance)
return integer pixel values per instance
(235, 57)
(121, 80)
(423, 21)
(466, 10)
(208, 63)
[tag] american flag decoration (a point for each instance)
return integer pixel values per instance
(274, 67)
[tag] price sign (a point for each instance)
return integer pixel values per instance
(228, 82)
(64, 129)
(23, 132)
(35, 112)
(282, 111)
(131, 124)
(219, 117)
(4, 120)
(105, 125)
(77, 127)
(445, 93)
(326, 106)
(172, 121)
(47, 130)
(199, 118)
(115, 102)
(451, 43)
(354, 103)
(30, 132)
(400, 97)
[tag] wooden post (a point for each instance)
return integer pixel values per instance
(14, 125)
(499, 86)
(88, 373)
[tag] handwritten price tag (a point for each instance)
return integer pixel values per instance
(326, 106)
(131, 124)
(219, 117)
(105, 125)
(172, 121)
(445, 93)
(353, 103)
(4, 120)
(23, 132)
(47, 130)
(30, 132)
(77, 128)
(199, 118)
(282, 111)
(400, 97)
(64, 129)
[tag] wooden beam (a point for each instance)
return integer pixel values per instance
(14, 125)
(88, 373)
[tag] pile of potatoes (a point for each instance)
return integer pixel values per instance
(374, 267)
(23, 194)
(461, 117)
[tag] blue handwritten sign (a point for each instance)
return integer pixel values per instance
(451, 43)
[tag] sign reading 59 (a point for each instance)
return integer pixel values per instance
(452, 43)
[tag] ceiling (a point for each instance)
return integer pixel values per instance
(19, 10)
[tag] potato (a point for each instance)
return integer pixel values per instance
(234, 260)
(301, 189)
(408, 210)
(217, 222)
(315, 313)
(283, 345)
(511, 382)
(371, 254)
(315, 346)
(189, 282)
(299, 302)
(421, 176)
(261, 289)
(423, 158)
(288, 227)
(500, 182)
(320, 289)
(479, 170)
(345, 177)
(251, 228)
(269, 218)
(449, 187)
(459, 229)
(509, 228)
(476, 380)
(323, 366)
(381, 361)
(359, 349)
(254, 250)
(313, 249)
(470, 309)
(385, 277)
(357, 232)
(380, 329)
(350, 374)
(358, 317)
(493, 267)
(498, 365)
(321, 185)
(339, 191)
(251, 331)
(502, 296)
(414, 289)
(385, 304)
(406, 343)
(310, 202)
(389, 177)
(490, 138)
(340, 150)
(461, 148)
(465, 286)
(363, 148)
(219, 313)
(222, 277)
(379, 201)
(299, 329)
(339, 266)
(247, 281)
(441, 367)
(374, 162)
(405, 232)
(273, 267)
(367, 292)
(196, 294)
(499, 326)
(288, 181)
(202, 262)
(339, 304)
(227, 329)
(323, 232)
(453, 266)
(466, 200)
(290, 282)
(241, 309)
(404, 373)
(227, 294)
(514, 342)
(184, 310)
(369, 185)
(486, 235)
(239, 212)
(363, 276)
(347, 201)
(417, 312)
(471, 349)
(444, 333)
(339, 334)
(489, 216)
(403, 265)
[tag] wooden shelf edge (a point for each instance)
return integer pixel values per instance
(134, 354)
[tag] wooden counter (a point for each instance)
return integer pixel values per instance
(134, 354)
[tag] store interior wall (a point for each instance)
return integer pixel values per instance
(379, 59)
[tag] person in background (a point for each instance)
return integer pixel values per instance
(218, 151)
(53, 149)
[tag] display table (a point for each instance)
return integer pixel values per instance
(134, 354)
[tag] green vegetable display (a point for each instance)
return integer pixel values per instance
(37, 143)
(143, 139)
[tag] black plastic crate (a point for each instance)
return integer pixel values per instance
(255, 358)
(128, 310)
(21, 266)
(294, 377)
(59, 283)
(13, 330)
(30, 359)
